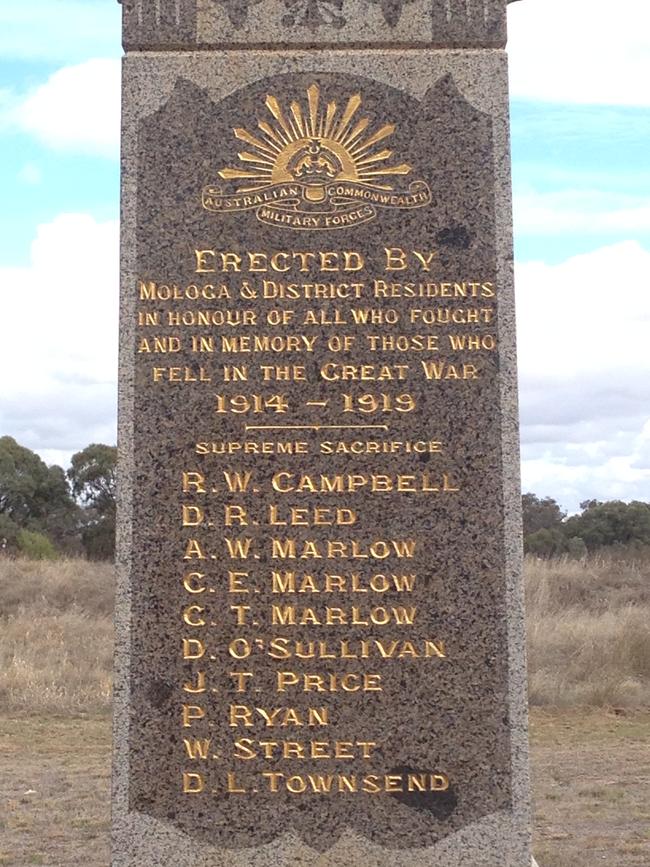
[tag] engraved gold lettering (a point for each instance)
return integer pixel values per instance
(241, 679)
(235, 584)
(191, 713)
(194, 482)
(351, 483)
(197, 749)
(192, 615)
(281, 717)
(291, 582)
(240, 648)
(192, 516)
(350, 682)
(395, 259)
(238, 549)
(235, 515)
(333, 372)
(191, 582)
(284, 648)
(319, 517)
(442, 370)
(241, 612)
(194, 551)
(159, 344)
(180, 374)
(210, 261)
(289, 615)
(204, 261)
(237, 482)
(283, 373)
(193, 648)
(370, 784)
(246, 749)
(197, 688)
(317, 549)
(193, 784)
(232, 787)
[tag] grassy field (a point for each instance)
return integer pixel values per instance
(589, 647)
(591, 778)
(588, 636)
(56, 636)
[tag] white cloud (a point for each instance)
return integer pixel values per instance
(58, 349)
(586, 316)
(30, 174)
(582, 51)
(77, 109)
(59, 30)
(572, 483)
(584, 367)
(580, 211)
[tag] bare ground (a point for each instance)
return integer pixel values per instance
(591, 784)
(54, 792)
(591, 774)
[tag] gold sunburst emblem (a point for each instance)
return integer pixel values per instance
(315, 167)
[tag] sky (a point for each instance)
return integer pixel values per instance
(580, 110)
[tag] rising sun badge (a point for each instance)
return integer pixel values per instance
(316, 167)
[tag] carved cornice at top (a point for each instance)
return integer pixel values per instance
(187, 24)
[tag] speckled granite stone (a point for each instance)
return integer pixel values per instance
(315, 125)
(463, 716)
(165, 24)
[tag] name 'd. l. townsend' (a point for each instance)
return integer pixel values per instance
(323, 784)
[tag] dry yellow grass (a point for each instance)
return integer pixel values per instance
(588, 631)
(588, 634)
(56, 636)
(44, 587)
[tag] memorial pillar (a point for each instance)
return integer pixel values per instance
(320, 647)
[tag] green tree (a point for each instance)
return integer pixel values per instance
(543, 525)
(8, 534)
(35, 546)
(540, 514)
(93, 476)
(576, 548)
(545, 542)
(33, 496)
(614, 522)
(24, 480)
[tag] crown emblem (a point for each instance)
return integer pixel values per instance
(315, 164)
(307, 166)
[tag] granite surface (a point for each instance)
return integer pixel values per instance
(173, 24)
(461, 715)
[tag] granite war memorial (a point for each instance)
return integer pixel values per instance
(320, 649)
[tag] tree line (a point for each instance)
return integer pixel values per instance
(46, 512)
(549, 532)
